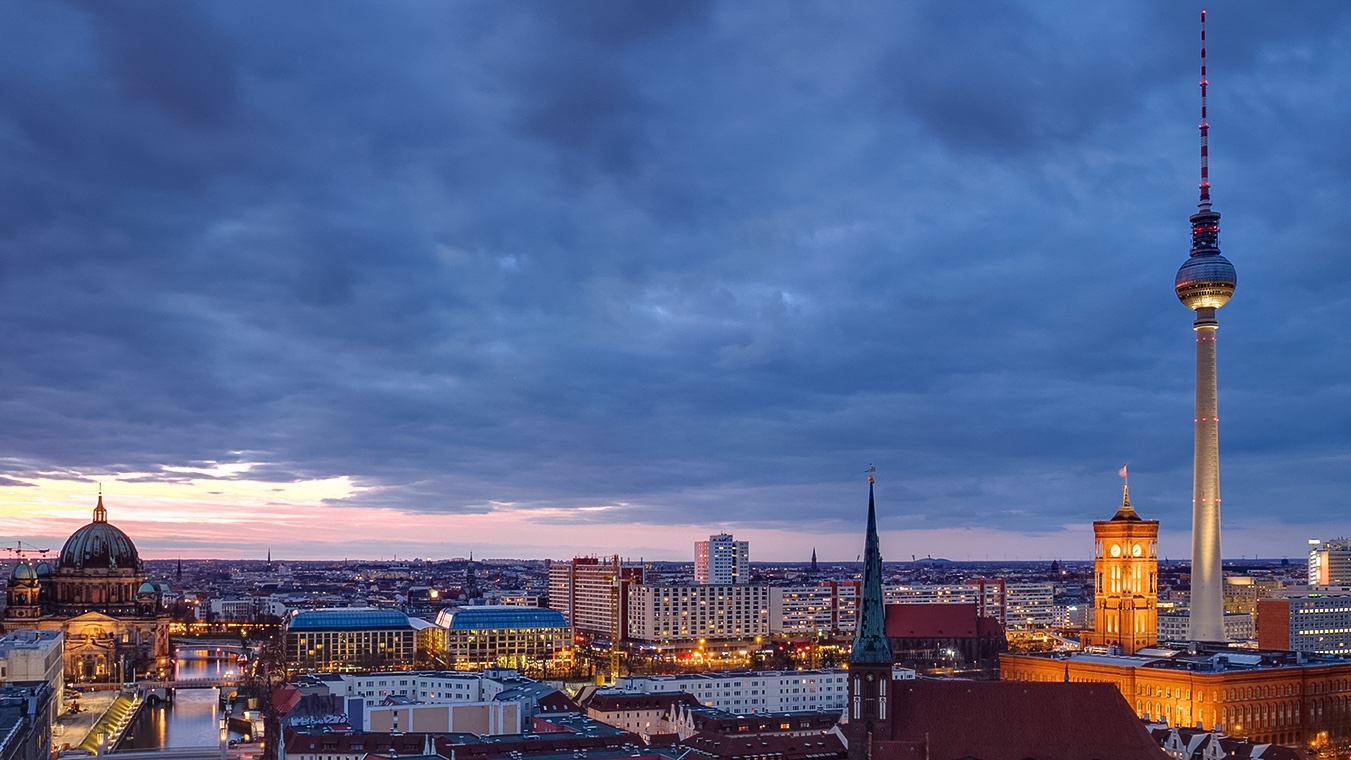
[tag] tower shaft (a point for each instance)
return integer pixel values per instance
(1206, 621)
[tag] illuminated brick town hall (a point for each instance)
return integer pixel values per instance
(97, 594)
(1277, 696)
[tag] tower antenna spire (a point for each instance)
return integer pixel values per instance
(1204, 204)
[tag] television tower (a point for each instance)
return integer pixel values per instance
(1205, 283)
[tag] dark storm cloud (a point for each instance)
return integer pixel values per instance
(695, 262)
(168, 56)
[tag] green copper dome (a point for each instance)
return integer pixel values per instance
(99, 546)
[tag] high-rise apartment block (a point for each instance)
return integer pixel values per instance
(1330, 562)
(1020, 604)
(758, 692)
(722, 561)
(592, 593)
(824, 608)
(684, 615)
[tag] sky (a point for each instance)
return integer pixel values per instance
(537, 279)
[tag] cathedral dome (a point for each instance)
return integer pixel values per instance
(99, 546)
(23, 573)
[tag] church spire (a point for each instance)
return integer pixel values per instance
(100, 514)
(870, 643)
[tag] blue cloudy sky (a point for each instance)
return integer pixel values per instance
(536, 278)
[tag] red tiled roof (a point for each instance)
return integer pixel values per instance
(616, 702)
(355, 743)
(363, 743)
(556, 701)
(778, 745)
(1012, 720)
(544, 745)
(931, 621)
(771, 723)
(285, 699)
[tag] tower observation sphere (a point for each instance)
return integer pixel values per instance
(1206, 279)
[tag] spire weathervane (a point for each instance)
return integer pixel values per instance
(100, 514)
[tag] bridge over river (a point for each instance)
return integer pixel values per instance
(189, 724)
(186, 648)
(229, 679)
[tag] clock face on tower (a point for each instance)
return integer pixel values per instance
(1116, 550)
(1136, 550)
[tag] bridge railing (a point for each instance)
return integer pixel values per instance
(188, 683)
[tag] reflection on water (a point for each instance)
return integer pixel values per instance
(191, 719)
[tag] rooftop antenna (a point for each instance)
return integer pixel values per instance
(1204, 204)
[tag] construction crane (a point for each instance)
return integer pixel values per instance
(22, 551)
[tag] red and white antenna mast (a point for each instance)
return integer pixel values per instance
(1205, 125)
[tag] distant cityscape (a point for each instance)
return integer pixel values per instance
(603, 657)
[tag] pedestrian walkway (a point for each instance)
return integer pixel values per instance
(70, 729)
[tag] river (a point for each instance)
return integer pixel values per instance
(191, 720)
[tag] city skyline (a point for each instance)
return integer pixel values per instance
(545, 281)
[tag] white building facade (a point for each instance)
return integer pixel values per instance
(1174, 626)
(821, 609)
(722, 561)
(683, 615)
(754, 692)
(1330, 562)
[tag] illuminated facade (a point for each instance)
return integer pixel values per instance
(1125, 580)
(1314, 623)
(1175, 626)
(349, 638)
(762, 691)
(1330, 562)
(592, 593)
(827, 607)
(1023, 604)
(1267, 696)
(505, 636)
(1241, 592)
(97, 595)
(683, 615)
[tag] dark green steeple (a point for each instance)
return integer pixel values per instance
(870, 642)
